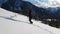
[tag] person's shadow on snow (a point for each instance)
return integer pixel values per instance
(12, 19)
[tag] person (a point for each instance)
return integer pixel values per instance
(30, 17)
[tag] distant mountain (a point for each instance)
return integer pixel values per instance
(2, 1)
(55, 11)
(23, 7)
(51, 9)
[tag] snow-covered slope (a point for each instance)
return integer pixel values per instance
(19, 24)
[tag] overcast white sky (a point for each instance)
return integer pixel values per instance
(45, 3)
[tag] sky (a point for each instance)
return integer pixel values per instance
(41, 3)
(45, 3)
(34, 1)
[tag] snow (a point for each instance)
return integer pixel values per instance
(19, 24)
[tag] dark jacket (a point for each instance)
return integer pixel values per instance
(30, 13)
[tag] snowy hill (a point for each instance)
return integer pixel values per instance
(20, 25)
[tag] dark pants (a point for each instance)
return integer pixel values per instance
(30, 20)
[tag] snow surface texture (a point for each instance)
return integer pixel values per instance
(19, 24)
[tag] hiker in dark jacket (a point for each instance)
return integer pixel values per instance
(30, 17)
